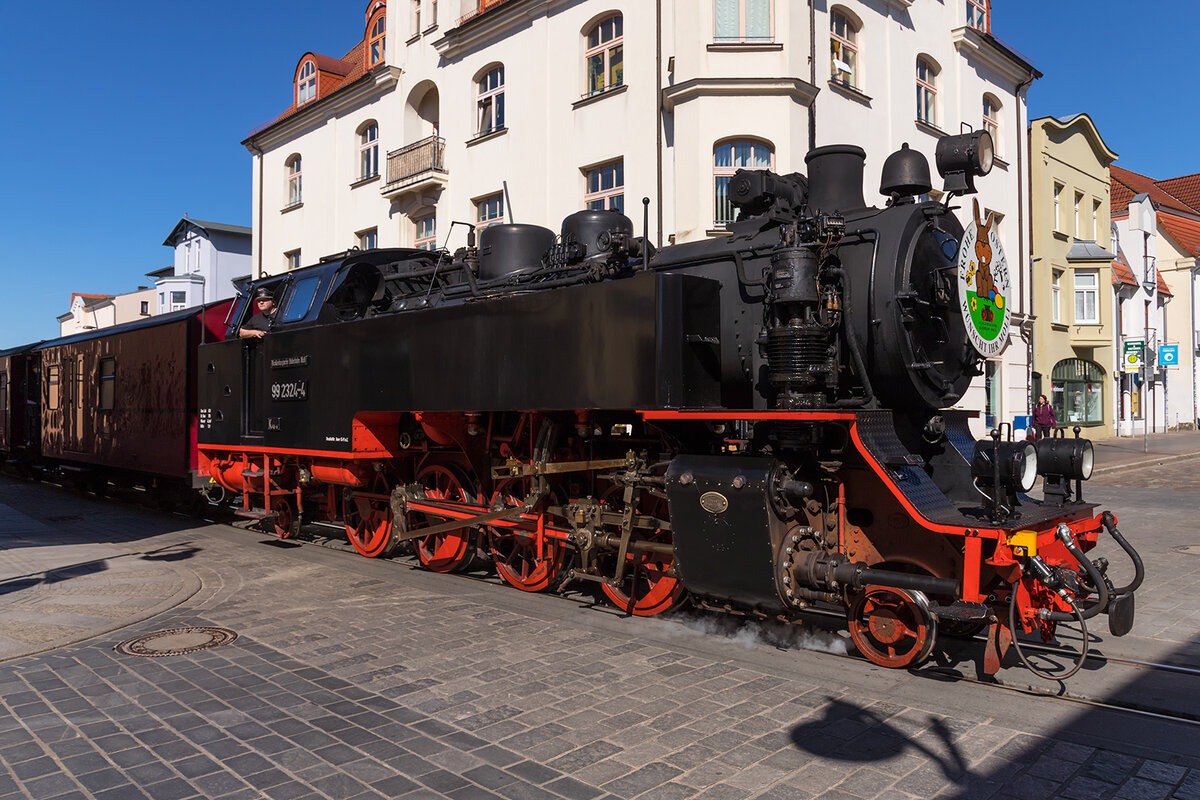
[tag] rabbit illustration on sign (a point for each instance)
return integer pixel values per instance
(985, 285)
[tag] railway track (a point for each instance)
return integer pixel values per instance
(949, 668)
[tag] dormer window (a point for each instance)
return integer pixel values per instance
(376, 39)
(306, 83)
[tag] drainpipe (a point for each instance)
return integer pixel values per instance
(1192, 297)
(258, 153)
(658, 117)
(812, 73)
(1021, 195)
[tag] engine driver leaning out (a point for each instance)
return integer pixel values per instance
(256, 327)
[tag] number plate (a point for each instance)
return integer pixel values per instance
(289, 390)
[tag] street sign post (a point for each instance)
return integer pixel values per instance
(1131, 360)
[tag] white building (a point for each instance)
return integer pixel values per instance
(208, 256)
(481, 111)
(1156, 229)
(91, 311)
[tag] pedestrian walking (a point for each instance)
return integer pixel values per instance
(1044, 418)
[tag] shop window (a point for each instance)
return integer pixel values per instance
(1077, 387)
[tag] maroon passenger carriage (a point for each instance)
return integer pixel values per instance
(114, 405)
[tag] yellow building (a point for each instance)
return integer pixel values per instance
(1072, 274)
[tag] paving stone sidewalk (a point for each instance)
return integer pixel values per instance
(358, 679)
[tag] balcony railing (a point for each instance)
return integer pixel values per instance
(411, 164)
(481, 7)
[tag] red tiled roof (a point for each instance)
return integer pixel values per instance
(1185, 187)
(1121, 273)
(1162, 286)
(1126, 184)
(1185, 232)
(333, 74)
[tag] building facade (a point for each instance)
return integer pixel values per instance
(1156, 230)
(91, 311)
(208, 257)
(1075, 362)
(484, 111)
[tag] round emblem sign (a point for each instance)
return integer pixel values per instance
(983, 288)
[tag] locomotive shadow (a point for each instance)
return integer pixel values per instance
(1107, 751)
(43, 515)
(850, 733)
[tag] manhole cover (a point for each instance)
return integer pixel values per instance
(1189, 549)
(176, 642)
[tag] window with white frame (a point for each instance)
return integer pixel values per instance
(306, 84)
(178, 301)
(606, 187)
(1058, 188)
(742, 20)
(1095, 220)
(368, 150)
(416, 17)
(728, 158)
(991, 119)
(425, 232)
(490, 100)
(1087, 311)
(295, 187)
(1056, 296)
(604, 57)
(291, 259)
(369, 239)
(489, 211)
(843, 48)
(1078, 203)
(377, 39)
(926, 92)
(977, 13)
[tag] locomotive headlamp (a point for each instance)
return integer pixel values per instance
(1018, 463)
(960, 159)
(1071, 458)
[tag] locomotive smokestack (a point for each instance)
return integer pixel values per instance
(835, 178)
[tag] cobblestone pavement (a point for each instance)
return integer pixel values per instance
(353, 678)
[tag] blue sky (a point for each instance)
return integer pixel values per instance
(117, 119)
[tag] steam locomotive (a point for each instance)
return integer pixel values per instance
(760, 423)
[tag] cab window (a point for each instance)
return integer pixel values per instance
(300, 298)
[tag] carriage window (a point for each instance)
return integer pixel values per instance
(300, 298)
(52, 388)
(3, 391)
(108, 383)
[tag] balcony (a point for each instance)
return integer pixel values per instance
(416, 167)
(481, 7)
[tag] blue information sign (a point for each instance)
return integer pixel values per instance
(1168, 355)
